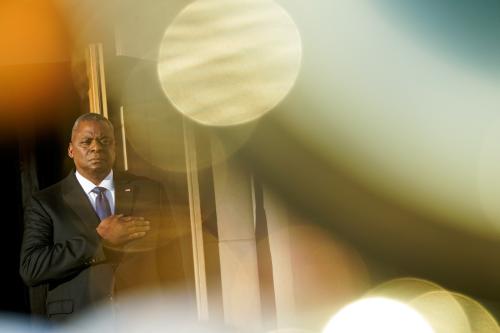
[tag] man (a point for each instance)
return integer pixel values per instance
(94, 234)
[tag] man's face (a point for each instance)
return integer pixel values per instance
(92, 149)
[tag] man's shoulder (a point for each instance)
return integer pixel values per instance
(55, 189)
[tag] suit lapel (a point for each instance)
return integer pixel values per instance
(78, 201)
(124, 196)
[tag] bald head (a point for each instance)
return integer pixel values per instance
(90, 117)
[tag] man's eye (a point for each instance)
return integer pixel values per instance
(105, 142)
(86, 143)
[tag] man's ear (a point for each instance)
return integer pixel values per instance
(70, 150)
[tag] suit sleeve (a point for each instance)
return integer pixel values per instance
(42, 259)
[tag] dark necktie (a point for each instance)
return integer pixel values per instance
(101, 203)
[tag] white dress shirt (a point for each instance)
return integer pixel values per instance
(107, 183)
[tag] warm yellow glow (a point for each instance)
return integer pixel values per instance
(376, 315)
(228, 62)
(32, 32)
(156, 310)
(328, 272)
(480, 319)
(290, 330)
(442, 311)
(404, 289)
(445, 311)
(403, 118)
(33, 39)
(155, 133)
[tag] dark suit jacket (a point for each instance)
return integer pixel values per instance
(62, 252)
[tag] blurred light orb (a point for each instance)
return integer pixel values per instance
(443, 312)
(393, 111)
(290, 330)
(404, 289)
(228, 62)
(377, 314)
(480, 319)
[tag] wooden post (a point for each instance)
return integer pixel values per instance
(196, 222)
(97, 82)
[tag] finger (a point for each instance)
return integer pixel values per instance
(136, 235)
(131, 224)
(132, 218)
(138, 229)
(126, 224)
(141, 223)
(136, 218)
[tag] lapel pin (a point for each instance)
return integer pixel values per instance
(127, 190)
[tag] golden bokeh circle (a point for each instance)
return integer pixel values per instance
(228, 62)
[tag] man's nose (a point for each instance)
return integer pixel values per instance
(96, 145)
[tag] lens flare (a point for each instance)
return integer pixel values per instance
(376, 315)
(229, 62)
(479, 318)
(442, 311)
(404, 289)
(396, 113)
(445, 311)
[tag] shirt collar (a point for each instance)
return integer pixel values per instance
(88, 186)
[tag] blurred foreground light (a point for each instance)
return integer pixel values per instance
(404, 289)
(290, 330)
(442, 311)
(16, 323)
(154, 311)
(156, 133)
(389, 108)
(479, 317)
(445, 311)
(377, 314)
(321, 258)
(228, 62)
(34, 39)
(32, 32)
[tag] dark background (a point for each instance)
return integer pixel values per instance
(33, 157)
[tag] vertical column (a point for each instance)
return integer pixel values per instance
(264, 258)
(196, 222)
(97, 82)
(237, 247)
(278, 220)
(124, 139)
